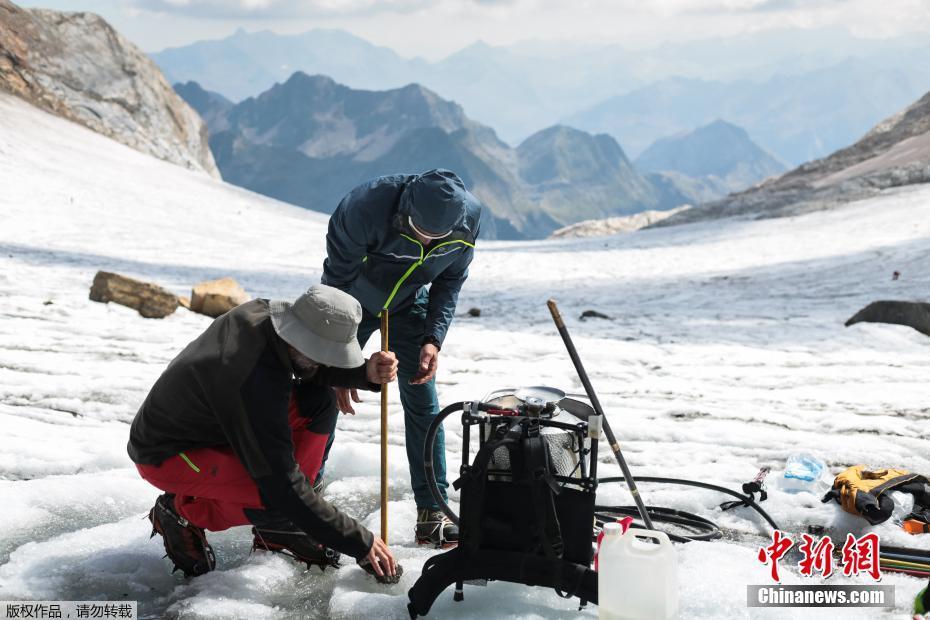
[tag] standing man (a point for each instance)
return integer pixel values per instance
(388, 240)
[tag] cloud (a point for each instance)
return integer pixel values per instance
(276, 9)
(752, 6)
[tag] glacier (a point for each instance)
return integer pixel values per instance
(726, 352)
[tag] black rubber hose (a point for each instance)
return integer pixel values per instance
(705, 528)
(701, 485)
(434, 427)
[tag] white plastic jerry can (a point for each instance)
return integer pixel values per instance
(637, 575)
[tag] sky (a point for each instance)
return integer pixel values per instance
(435, 28)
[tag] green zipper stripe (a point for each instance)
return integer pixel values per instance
(189, 462)
(413, 267)
(400, 283)
(406, 275)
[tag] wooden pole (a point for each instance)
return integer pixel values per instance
(384, 434)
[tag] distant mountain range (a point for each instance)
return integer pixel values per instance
(310, 140)
(719, 154)
(798, 101)
(895, 153)
(211, 106)
(796, 117)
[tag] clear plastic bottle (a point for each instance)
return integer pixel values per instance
(803, 472)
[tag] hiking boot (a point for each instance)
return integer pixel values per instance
(386, 579)
(186, 545)
(435, 528)
(297, 545)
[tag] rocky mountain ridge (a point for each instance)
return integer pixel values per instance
(77, 66)
(810, 100)
(798, 118)
(896, 152)
(719, 154)
(309, 140)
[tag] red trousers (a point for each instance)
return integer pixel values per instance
(212, 487)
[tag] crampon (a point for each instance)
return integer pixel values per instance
(434, 528)
(297, 545)
(185, 544)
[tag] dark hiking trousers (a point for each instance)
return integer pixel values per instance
(420, 402)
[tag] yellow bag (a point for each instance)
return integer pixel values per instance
(861, 492)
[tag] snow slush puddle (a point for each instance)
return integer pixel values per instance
(726, 352)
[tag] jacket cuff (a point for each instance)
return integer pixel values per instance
(431, 340)
(367, 540)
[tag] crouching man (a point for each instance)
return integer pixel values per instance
(235, 428)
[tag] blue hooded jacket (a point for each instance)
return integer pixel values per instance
(374, 255)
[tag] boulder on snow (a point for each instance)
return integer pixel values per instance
(909, 313)
(592, 314)
(184, 301)
(474, 312)
(216, 297)
(150, 300)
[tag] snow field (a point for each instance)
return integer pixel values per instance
(726, 352)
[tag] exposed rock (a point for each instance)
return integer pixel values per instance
(615, 225)
(184, 301)
(77, 66)
(896, 152)
(674, 189)
(911, 314)
(151, 300)
(215, 297)
(474, 312)
(592, 314)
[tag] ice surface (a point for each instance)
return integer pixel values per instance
(726, 352)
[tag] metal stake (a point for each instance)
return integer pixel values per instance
(608, 432)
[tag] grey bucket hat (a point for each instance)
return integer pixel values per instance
(322, 324)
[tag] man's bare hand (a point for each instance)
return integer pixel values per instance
(381, 558)
(429, 363)
(381, 367)
(344, 398)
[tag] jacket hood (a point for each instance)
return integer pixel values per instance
(437, 201)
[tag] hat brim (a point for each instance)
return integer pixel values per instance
(429, 235)
(320, 350)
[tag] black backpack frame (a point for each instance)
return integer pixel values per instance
(526, 524)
